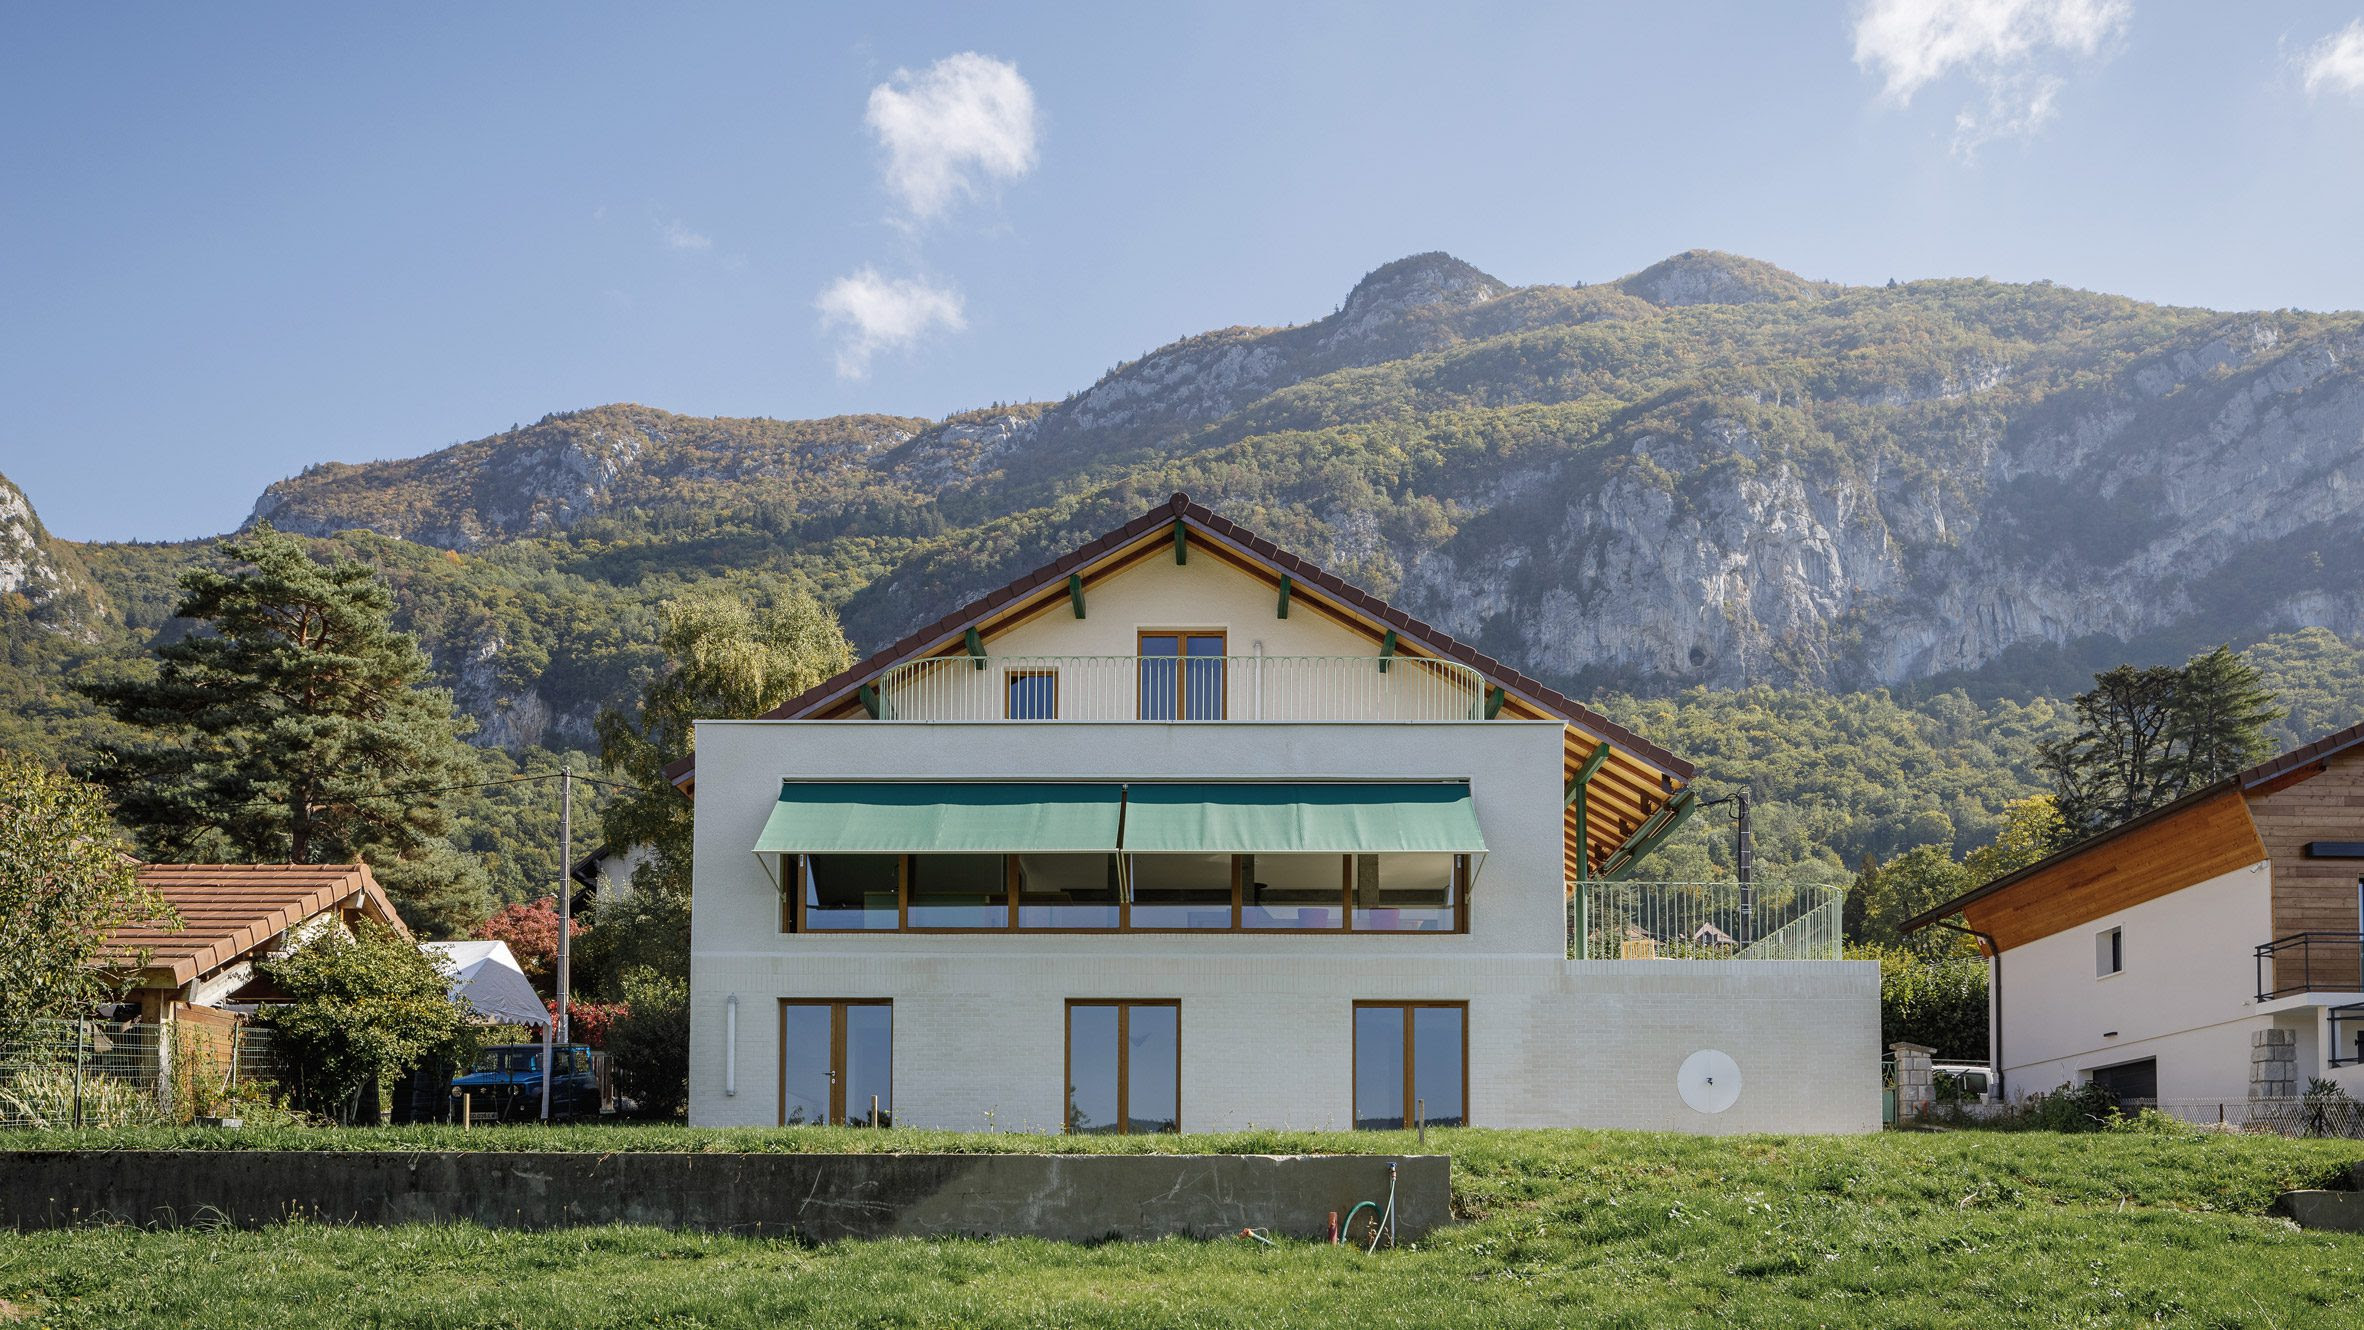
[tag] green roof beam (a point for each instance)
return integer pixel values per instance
(976, 645)
(1075, 593)
(1181, 543)
(1283, 612)
(1386, 650)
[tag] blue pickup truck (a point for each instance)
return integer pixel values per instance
(505, 1084)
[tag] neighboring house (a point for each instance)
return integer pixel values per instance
(1182, 832)
(485, 975)
(2205, 951)
(231, 917)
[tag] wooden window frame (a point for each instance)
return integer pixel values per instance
(1411, 1099)
(1181, 638)
(1008, 712)
(837, 1007)
(1124, 1062)
(795, 920)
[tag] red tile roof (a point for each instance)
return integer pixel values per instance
(227, 910)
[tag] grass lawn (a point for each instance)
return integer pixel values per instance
(1559, 1228)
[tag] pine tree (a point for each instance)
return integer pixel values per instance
(2223, 712)
(2147, 737)
(295, 727)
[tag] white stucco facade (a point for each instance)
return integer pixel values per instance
(2185, 998)
(979, 1020)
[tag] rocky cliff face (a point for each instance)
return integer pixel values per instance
(1709, 472)
(37, 579)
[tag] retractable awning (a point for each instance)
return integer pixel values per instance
(942, 817)
(1342, 818)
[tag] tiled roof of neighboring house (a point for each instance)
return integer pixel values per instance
(227, 910)
(2280, 767)
(1182, 508)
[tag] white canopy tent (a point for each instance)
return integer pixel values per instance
(486, 975)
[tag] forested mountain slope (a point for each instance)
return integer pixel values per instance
(1710, 473)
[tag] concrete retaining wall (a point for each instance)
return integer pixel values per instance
(1076, 1198)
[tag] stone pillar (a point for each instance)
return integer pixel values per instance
(1916, 1081)
(2273, 1064)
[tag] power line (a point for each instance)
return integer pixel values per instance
(442, 789)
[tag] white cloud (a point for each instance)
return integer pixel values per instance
(2336, 63)
(953, 128)
(675, 235)
(874, 313)
(2009, 48)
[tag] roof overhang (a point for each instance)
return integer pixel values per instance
(1628, 785)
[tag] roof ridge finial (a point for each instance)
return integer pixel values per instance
(1180, 501)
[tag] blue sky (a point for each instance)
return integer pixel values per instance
(235, 240)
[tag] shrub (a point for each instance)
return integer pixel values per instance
(361, 1010)
(650, 1042)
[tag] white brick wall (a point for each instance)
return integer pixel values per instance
(1266, 1020)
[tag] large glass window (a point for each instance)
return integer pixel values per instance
(1181, 891)
(1067, 891)
(837, 1062)
(1292, 890)
(1410, 1064)
(1124, 1066)
(1407, 893)
(959, 891)
(852, 891)
(1032, 695)
(1182, 676)
(1388, 893)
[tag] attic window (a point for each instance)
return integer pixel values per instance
(2109, 953)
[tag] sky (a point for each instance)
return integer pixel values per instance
(238, 240)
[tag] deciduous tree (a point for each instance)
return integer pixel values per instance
(360, 1010)
(66, 883)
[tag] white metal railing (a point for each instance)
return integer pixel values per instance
(1624, 920)
(1293, 688)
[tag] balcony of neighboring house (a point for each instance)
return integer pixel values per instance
(2297, 964)
(1180, 677)
(1626, 920)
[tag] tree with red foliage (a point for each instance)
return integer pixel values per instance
(589, 1022)
(531, 930)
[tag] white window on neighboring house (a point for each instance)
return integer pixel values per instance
(2109, 952)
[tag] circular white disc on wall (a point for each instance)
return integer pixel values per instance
(1709, 1081)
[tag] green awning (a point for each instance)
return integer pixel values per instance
(1366, 818)
(941, 817)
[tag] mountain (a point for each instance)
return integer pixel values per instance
(40, 581)
(1846, 544)
(1711, 472)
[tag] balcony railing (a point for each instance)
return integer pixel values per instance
(2310, 963)
(1181, 688)
(1631, 921)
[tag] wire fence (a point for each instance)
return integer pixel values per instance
(1631, 921)
(2322, 1116)
(63, 1073)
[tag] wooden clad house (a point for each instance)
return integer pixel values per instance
(2212, 949)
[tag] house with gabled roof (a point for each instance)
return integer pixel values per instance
(2208, 954)
(1182, 832)
(230, 917)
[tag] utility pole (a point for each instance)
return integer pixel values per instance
(566, 894)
